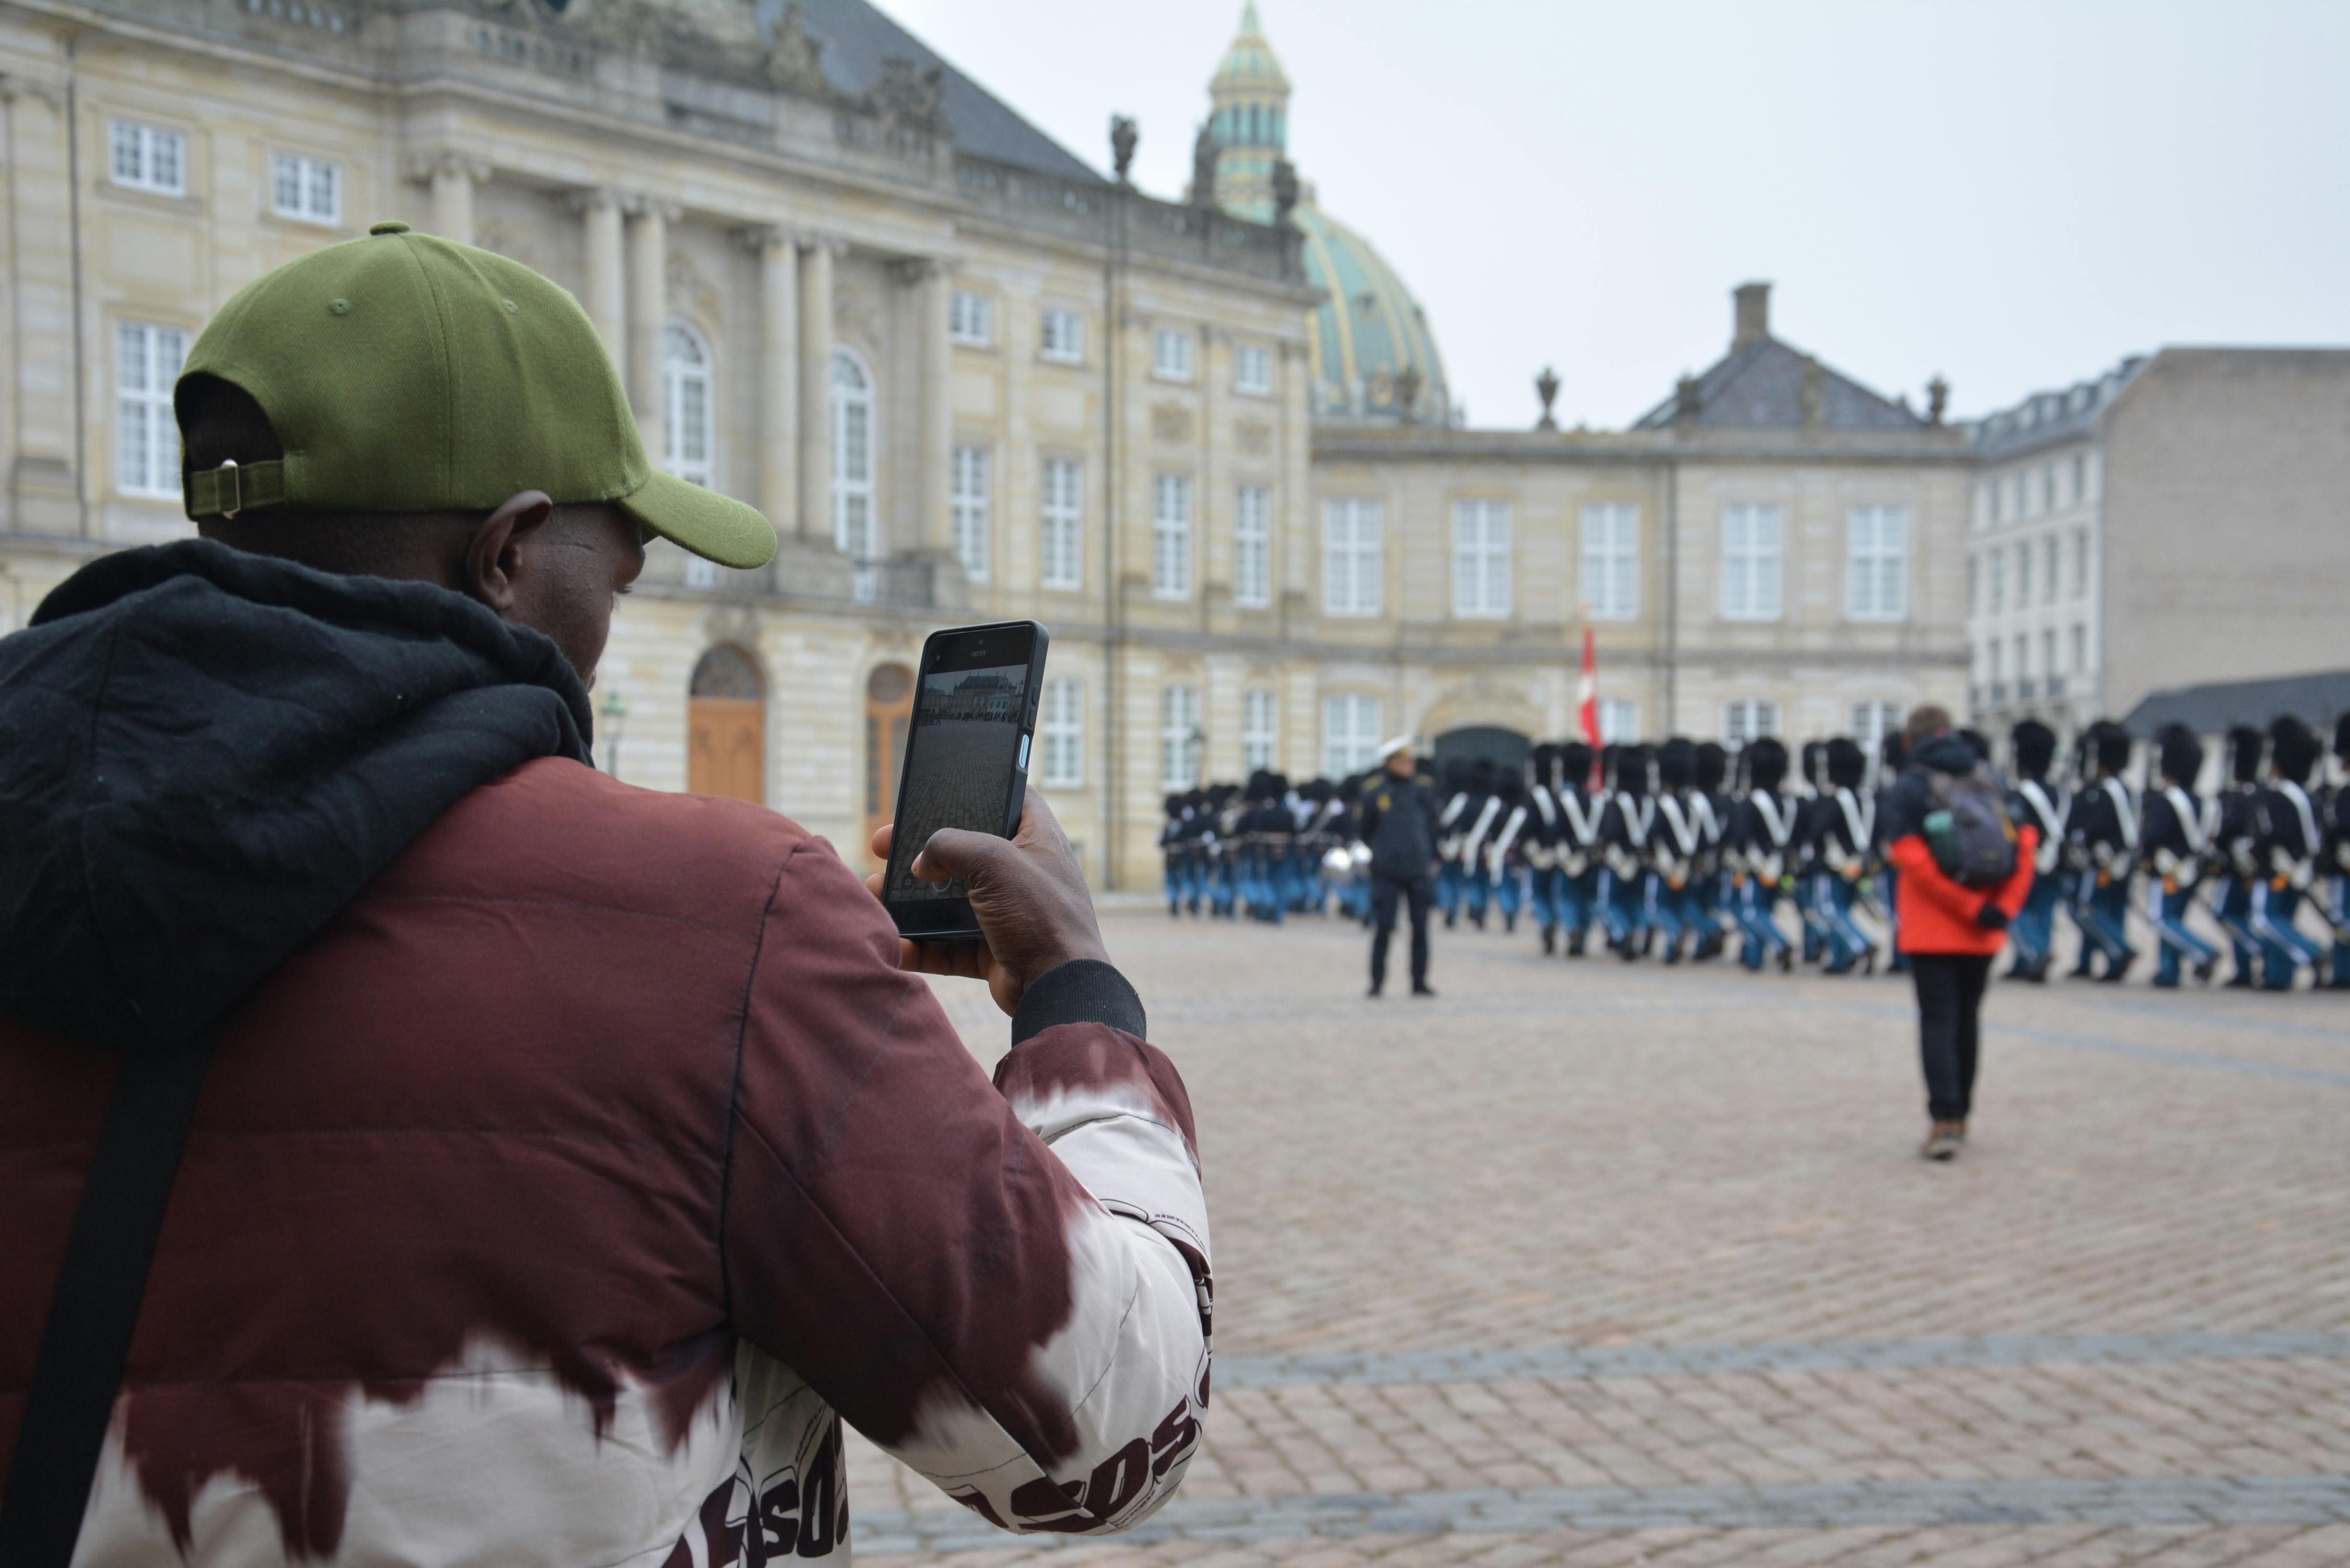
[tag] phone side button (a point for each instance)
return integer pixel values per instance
(1023, 752)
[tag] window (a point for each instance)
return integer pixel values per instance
(1260, 730)
(1998, 670)
(1350, 734)
(1982, 506)
(1062, 729)
(1180, 741)
(147, 438)
(149, 158)
(1748, 718)
(309, 189)
(1252, 369)
(2048, 489)
(2023, 574)
(685, 404)
(1064, 541)
(2080, 476)
(967, 502)
(1481, 559)
(1974, 583)
(1352, 563)
(1876, 563)
(1871, 723)
(1997, 491)
(971, 319)
(2080, 649)
(1619, 720)
(1750, 563)
(2048, 570)
(852, 457)
(2023, 656)
(1171, 536)
(2080, 563)
(2048, 658)
(1252, 548)
(701, 573)
(2015, 495)
(1998, 580)
(1170, 355)
(1611, 560)
(1063, 336)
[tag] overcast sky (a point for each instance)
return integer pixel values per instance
(2015, 195)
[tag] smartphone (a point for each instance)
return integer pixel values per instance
(966, 762)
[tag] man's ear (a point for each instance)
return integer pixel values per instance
(502, 546)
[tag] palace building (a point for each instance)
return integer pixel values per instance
(1209, 442)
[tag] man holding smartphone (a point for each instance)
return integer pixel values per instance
(420, 1147)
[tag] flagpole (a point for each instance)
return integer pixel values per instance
(1587, 698)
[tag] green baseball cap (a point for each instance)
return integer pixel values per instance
(407, 373)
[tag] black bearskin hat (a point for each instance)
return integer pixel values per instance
(1978, 743)
(2181, 754)
(1509, 790)
(1846, 762)
(1676, 763)
(2110, 744)
(1631, 772)
(2244, 747)
(1712, 764)
(1574, 764)
(1766, 761)
(1893, 751)
(2036, 749)
(2294, 749)
(1174, 806)
(1544, 761)
(1481, 775)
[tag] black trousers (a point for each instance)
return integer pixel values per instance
(1418, 894)
(1949, 1007)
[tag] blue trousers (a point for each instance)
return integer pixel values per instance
(1542, 892)
(2340, 906)
(2235, 915)
(2283, 947)
(1623, 907)
(1756, 906)
(1224, 886)
(1448, 889)
(1577, 899)
(1846, 940)
(2168, 910)
(2101, 909)
(1476, 890)
(1510, 891)
(1808, 894)
(2033, 929)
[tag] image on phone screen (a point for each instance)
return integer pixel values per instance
(963, 757)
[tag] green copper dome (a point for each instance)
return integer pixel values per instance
(1369, 331)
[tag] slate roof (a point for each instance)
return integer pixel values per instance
(1759, 387)
(857, 36)
(2044, 419)
(2211, 710)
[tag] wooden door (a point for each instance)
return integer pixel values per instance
(889, 709)
(726, 728)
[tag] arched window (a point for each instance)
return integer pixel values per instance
(853, 528)
(726, 727)
(685, 403)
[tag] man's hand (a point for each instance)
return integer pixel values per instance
(1991, 917)
(1027, 894)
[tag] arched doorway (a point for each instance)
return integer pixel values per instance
(889, 709)
(726, 727)
(1505, 749)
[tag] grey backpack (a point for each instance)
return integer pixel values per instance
(1967, 828)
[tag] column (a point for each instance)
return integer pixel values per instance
(779, 371)
(43, 490)
(599, 214)
(648, 311)
(932, 280)
(453, 177)
(815, 384)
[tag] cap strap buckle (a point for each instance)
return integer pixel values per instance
(232, 488)
(227, 473)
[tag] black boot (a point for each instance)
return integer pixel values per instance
(1550, 941)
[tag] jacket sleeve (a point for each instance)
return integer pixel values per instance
(1006, 1286)
(1916, 863)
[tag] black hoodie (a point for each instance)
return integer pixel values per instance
(205, 754)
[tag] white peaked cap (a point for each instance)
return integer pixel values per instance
(1401, 744)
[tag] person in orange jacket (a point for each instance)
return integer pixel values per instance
(1949, 930)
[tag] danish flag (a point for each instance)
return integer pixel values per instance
(1587, 693)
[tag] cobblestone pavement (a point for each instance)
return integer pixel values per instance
(1593, 1264)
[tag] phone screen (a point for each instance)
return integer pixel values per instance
(965, 752)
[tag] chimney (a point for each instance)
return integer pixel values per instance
(1754, 314)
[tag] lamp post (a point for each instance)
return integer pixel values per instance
(615, 711)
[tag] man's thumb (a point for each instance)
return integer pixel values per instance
(955, 852)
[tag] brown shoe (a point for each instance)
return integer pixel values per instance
(1942, 1143)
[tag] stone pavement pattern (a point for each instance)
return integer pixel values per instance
(1593, 1264)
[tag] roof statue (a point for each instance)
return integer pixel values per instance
(1123, 138)
(1546, 389)
(1203, 169)
(1373, 355)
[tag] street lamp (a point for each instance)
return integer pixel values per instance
(616, 709)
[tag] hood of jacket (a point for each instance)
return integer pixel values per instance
(205, 754)
(1945, 754)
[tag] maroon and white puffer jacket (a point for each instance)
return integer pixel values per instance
(556, 1203)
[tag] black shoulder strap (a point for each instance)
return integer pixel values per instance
(78, 1370)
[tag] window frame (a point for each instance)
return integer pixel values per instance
(1244, 355)
(1252, 547)
(971, 318)
(1360, 558)
(1061, 733)
(306, 171)
(1162, 365)
(1475, 554)
(1260, 730)
(146, 140)
(1178, 720)
(1873, 566)
(1171, 536)
(970, 484)
(680, 380)
(1610, 555)
(1619, 720)
(158, 430)
(1061, 513)
(1754, 556)
(845, 490)
(1344, 755)
(1746, 720)
(1073, 352)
